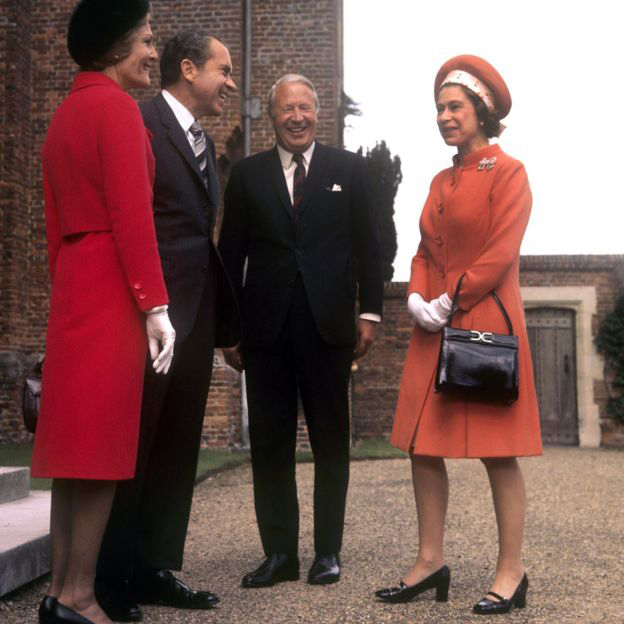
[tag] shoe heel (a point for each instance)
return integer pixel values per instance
(442, 590)
(520, 601)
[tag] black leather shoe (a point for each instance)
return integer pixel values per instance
(275, 568)
(116, 600)
(62, 614)
(440, 581)
(325, 570)
(46, 610)
(503, 605)
(162, 588)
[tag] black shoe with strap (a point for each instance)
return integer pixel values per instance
(276, 568)
(117, 601)
(439, 580)
(500, 604)
(162, 588)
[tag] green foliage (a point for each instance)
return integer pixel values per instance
(385, 176)
(610, 342)
(348, 108)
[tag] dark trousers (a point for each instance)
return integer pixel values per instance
(148, 523)
(301, 361)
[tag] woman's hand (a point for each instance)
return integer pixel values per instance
(442, 306)
(161, 336)
(425, 314)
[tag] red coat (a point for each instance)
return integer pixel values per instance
(473, 222)
(97, 172)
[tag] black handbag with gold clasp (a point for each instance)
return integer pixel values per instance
(478, 364)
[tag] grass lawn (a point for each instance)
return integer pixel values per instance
(210, 461)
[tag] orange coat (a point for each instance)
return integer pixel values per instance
(473, 222)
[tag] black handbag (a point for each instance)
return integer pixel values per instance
(31, 397)
(478, 364)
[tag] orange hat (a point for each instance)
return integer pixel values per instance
(479, 76)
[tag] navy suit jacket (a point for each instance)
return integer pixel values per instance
(334, 244)
(184, 214)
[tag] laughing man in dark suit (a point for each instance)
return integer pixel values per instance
(301, 215)
(146, 533)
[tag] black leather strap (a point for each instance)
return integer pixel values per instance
(455, 306)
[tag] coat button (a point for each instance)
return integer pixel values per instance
(138, 286)
(440, 207)
(439, 240)
(441, 273)
(142, 296)
(205, 268)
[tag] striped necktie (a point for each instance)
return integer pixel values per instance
(200, 150)
(298, 182)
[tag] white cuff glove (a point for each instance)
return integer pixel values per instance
(442, 306)
(160, 332)
(424, 313)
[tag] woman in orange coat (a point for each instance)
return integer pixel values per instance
(472, 225)
(108, 295)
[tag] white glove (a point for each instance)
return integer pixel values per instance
(160, 332)
(442, 306)
(424, 313)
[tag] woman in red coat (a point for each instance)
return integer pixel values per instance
(471, 226)
(108, 296)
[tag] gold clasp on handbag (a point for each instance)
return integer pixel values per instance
(481, 337)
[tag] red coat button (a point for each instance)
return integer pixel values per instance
(439, 240)
(440, 207)
(138, 286)
(441, 273)
(142, 296)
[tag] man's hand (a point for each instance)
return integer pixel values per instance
(233, 357)
(365, 337)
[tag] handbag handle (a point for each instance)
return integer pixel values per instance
(455, 307)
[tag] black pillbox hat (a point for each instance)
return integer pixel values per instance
(95, 25)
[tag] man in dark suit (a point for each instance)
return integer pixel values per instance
(301, 215)
(146, 533)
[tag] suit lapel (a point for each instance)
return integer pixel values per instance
(276, 173)
(317, 168)
(176, 135)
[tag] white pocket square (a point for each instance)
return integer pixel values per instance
(335, 189)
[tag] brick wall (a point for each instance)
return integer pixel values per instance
(16, 137)
(287, 36)
(376, 382)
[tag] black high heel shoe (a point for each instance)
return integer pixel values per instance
(46, 610)
(440, 581)
(503, 605)
(64, 615)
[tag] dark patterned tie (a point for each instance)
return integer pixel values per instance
(298, 181)
(200, 150)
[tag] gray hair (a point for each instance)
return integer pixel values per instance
(288, 78)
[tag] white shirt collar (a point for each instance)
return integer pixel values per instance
(286, 156)
(182, 114)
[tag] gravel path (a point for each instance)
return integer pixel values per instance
(574, 549)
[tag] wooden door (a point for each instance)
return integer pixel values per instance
(552, 339)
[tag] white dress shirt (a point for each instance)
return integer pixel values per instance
(182, 114)
(289, 166)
